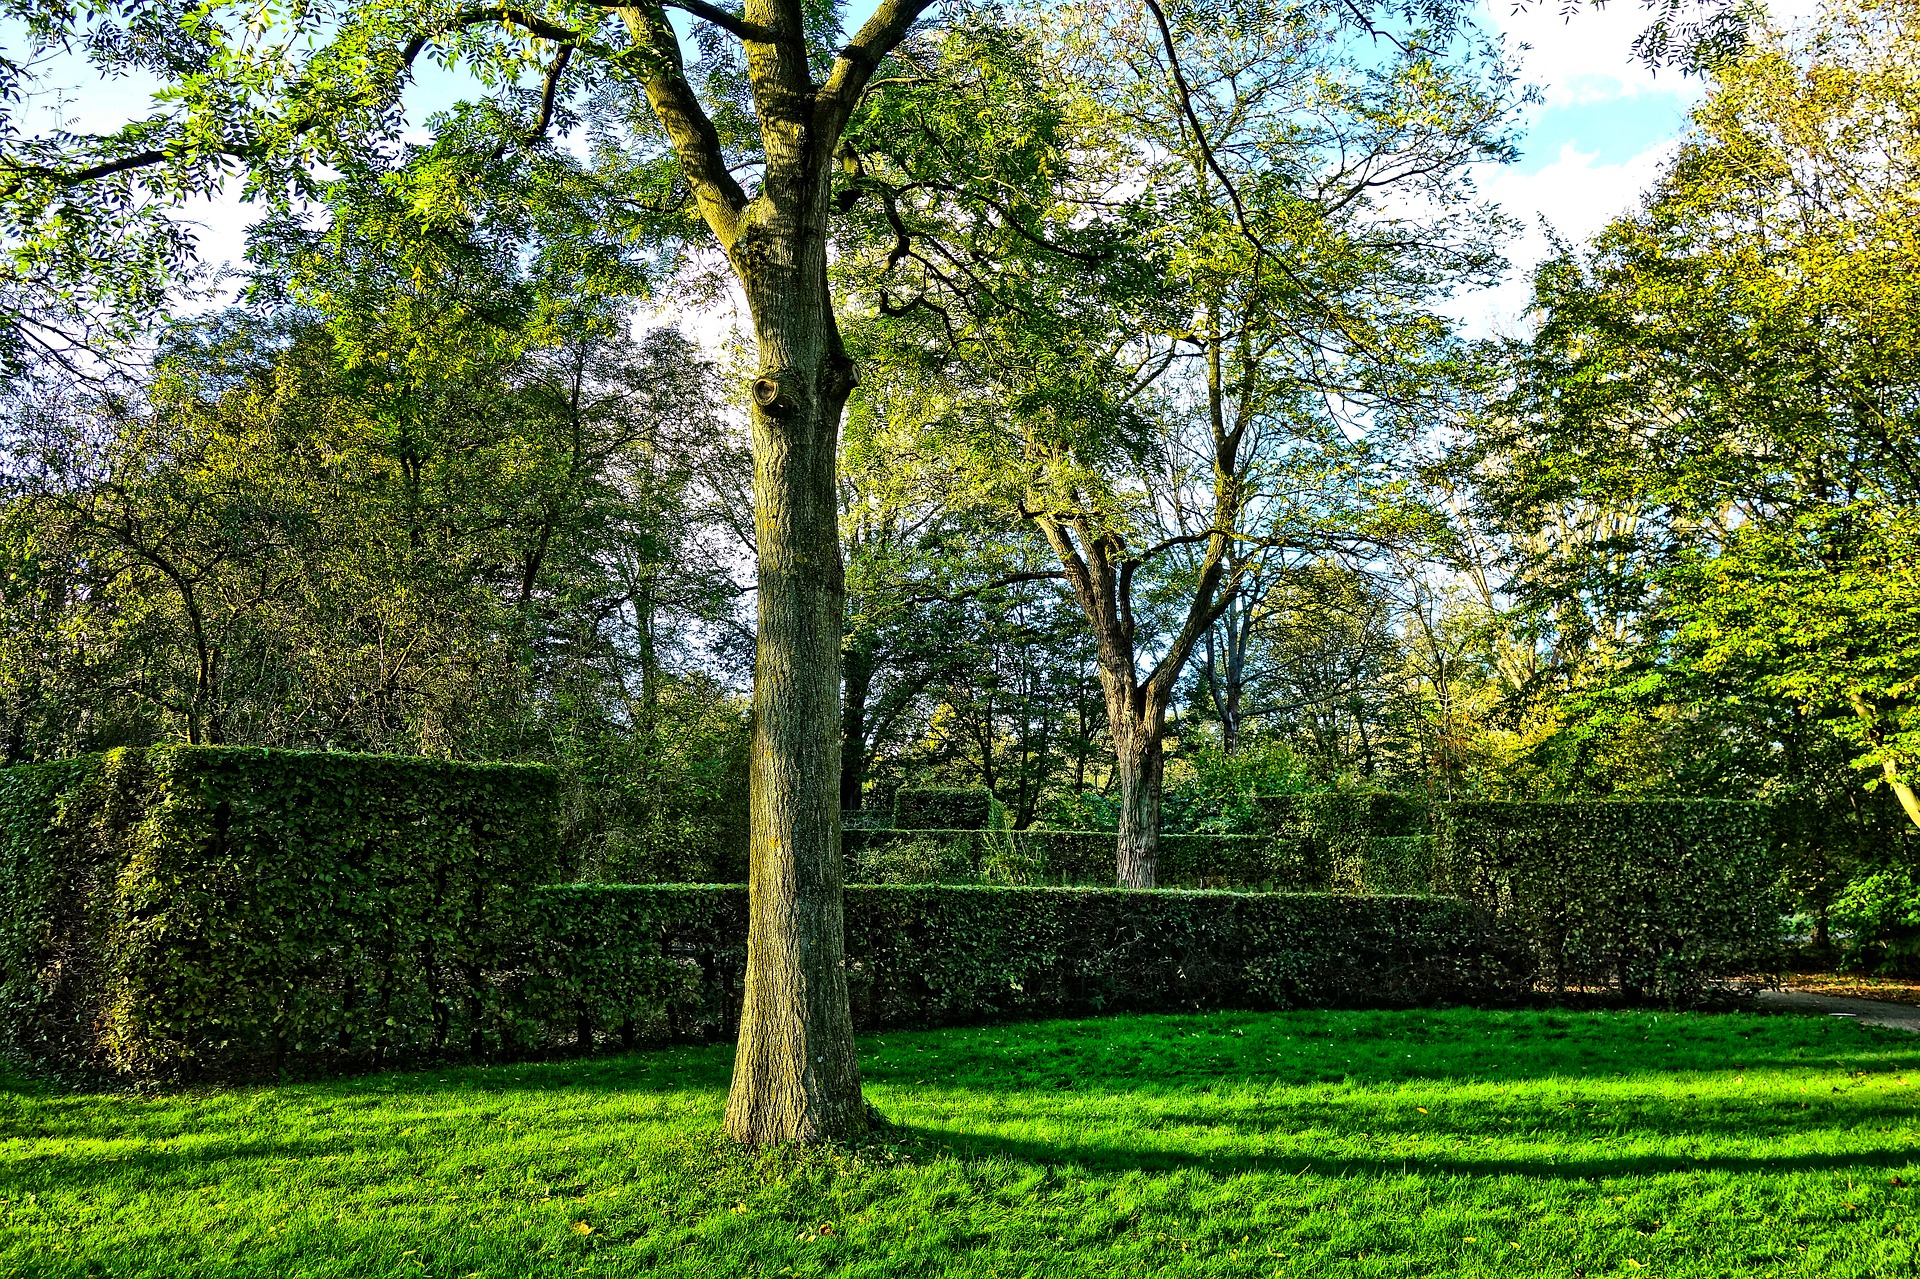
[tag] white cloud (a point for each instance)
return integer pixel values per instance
(1585, 55)
(1580, 59)
(1575, 196)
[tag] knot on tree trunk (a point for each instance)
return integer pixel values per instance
(771, 394)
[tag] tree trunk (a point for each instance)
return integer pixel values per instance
(795, 1077)
(1138, 757)
(853, 724)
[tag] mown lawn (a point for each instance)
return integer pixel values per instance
(1418, 1144)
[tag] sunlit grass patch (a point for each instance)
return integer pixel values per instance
(1412, 1143)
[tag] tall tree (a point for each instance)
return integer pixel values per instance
(1147, 299)
(1726, 381)
(324, 86)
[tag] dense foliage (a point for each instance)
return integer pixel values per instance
(210, 912)
(1656, 899)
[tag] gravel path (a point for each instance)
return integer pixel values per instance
(1874, 1012)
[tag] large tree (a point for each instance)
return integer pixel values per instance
(1724, 385)
(1164, 279)
(324, 87)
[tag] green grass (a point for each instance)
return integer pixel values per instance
(1417, 1144)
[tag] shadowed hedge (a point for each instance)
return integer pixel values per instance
(652, 960)
(222, 912)
(1654, 898)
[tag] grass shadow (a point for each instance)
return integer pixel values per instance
(1112, 1157)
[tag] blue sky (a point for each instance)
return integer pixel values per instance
(1604, 127)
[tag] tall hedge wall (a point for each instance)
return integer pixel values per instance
(52, 927)
(195, 911)
(1655, 898)
(628, 961)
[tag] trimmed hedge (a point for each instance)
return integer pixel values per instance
(1362, 812)
(662, 960)
(945, 808)
(51, 924)
(1041, 856)
(1339, 834)
(192, 912)
(1658, 899)
(202, 911)
(1199, 861)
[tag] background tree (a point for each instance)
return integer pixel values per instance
(1166, 387)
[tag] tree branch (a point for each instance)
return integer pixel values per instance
(855, 66)
(409, 54)
(678, 108)
(737, 26)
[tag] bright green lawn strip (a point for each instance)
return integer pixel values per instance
(1417, 1144)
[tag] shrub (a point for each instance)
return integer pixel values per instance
(1073, 856)
(1657, 899)
(1878, 917)
(1394, 864)
(667, 959)
(917, 857)
(950, 808)
(214, 912)
(1339, 832)
(866, 819)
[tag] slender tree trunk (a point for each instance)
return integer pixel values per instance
(858, 683)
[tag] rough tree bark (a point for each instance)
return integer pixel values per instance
(795, 1077)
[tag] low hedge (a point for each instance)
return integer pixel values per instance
(1064, 857)
(185, 912)
(1658, 899)
(659, 960)
(945, 808)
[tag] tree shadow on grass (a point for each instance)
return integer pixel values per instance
(1176, 1053)
(1119, 1157)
